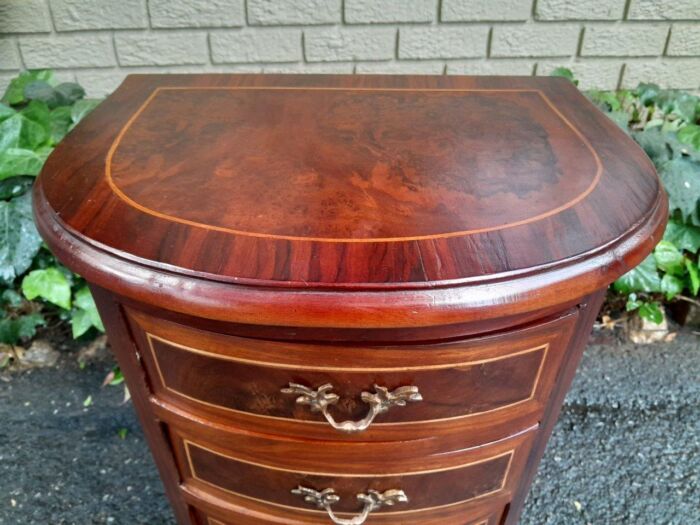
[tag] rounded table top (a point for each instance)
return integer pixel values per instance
(471, 190)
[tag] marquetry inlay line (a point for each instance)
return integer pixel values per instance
(351, 369)
(154, 355)
(117, 191)
(504, 479)
(187, 443)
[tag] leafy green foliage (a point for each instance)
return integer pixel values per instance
(36, 113)
(15, 93)
(666, 124)
(681, 178)
(19, 240)
(50, 284)
(20, 320)
(84, 315)
(643, 278)
(647, 310)
(565, 73)
(690, 134)
(14, 329)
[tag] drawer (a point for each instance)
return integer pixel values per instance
(283, 387)
(268, 476)
(489, 517)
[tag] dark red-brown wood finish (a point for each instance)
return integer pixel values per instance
(353, 283)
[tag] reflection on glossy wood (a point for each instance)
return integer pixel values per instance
(244, 232)
(460, 382)
(432, 489)
(356, 155)
(338, 159)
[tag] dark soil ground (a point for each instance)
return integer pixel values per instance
(626, 449)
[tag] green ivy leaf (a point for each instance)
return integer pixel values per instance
(647, 93)
(11, 298)
(566, 73)
(13, 330)
(18, 161)
(43, 91)
(690, 134)
(669, 258)
(684, 236)
(49, 284)
(69, 92)
(19, 240)
(82, 108)
(644, 278)
(681, 179)
(15, 91)
(60, 121)
(662, 146)
(15, 186)
(693, 276)
(80, 323)
(33, 134)
(632, 302)
(38, 112)
(10, 132)
(18, 131)
(609, 98)
(678, 103)
(671, 286)
(685, 106)
(621, 119)
(652, 312)
(6, 112)
(85, 313)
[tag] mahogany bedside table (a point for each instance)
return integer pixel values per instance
(348, 299)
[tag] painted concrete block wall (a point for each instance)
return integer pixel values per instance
(607, 43)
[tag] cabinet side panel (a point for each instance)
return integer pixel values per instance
(127, 356)
(590, 306)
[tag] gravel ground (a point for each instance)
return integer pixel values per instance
(626, 449)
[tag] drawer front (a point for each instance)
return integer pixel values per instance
(203, 518)
(248, 380)
(430, 484)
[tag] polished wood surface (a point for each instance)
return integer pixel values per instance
(341, 165)
(328, 182)
(244, 232)
(425, 490)
(213, 511)
(462, 380)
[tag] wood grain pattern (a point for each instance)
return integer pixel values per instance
(240, 232)
(357, 183)
(261, 475)
(356, 155)
(235, 376)
(211, 510)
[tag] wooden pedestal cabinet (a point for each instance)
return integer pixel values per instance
(348, 299)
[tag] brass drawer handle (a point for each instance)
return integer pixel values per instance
(379, 402)
(372, 500)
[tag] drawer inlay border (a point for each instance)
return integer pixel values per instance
(154, 355)
(193, 473)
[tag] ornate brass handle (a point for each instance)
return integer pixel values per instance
(379, 402)
(372, 500)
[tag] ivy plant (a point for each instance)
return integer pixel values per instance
(36, 113)
(665, 123)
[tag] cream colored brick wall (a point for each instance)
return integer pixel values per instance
(607, 43)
